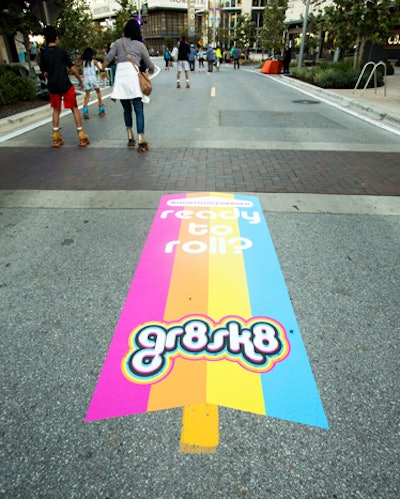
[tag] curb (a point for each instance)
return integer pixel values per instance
(42, 114)
(373, 112)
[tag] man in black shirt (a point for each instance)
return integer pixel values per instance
(183, 62)
(54, 62)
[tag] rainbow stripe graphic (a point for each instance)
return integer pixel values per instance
(208, 319)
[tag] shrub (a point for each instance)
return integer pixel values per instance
(340, 75)
(14, 87)
(305, 74)
(334, 78)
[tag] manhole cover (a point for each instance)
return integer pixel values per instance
(306, 101)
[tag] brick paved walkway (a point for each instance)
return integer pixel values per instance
(236, 170)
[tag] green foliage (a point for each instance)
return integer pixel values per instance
(339, 75)
(14, 87)
(273, 28)
(354, 22)
(334, 78)
(123, 15)
(17, 15)
(304, 74)
(101, 38)
(389, 69)
(245, 30)
(75, 26)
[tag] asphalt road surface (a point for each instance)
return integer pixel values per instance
(73, 224)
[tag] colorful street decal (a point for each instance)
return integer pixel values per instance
(208, 319)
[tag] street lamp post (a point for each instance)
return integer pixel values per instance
(214, 35)
(303, 35)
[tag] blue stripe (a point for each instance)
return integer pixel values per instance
(290, 391)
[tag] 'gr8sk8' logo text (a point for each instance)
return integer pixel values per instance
(257, 345)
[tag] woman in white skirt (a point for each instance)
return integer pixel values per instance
(126, 86)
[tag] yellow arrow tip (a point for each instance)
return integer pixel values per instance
(200, 433)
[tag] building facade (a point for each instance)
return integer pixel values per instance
(214, 21)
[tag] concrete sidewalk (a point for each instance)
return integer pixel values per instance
(40, 115)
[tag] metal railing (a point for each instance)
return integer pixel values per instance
(373, 73)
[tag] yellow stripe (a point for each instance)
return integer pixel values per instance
(228, 383)
(200, 433)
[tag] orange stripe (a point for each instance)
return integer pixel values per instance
(188, 294)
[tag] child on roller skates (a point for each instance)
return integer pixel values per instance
(90, 81)
(54, 64)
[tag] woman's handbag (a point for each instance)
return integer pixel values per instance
(145, 83)
(144, 80)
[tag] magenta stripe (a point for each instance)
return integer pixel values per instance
(114, 395)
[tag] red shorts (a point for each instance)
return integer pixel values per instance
(69, 99)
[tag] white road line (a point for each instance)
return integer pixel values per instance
(371, 121)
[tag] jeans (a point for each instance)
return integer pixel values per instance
(138, 107)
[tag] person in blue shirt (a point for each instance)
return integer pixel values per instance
(192, 57)
(210, 58)
(167, 57)
(236, 58)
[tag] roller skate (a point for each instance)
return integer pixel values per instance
(57, 139)
(86, 113)
(101, 111)
(178, 84)
(187, 84)
(83, 138)
(131, 138)
(143, 145)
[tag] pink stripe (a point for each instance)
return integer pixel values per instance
(114, 395)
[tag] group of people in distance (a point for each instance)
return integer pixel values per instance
(185, 52)
(129, 50)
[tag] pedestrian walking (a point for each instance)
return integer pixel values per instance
(192, 57)
(183, 62)
(130, 50)
(89, 65)
(200, 55)
(54, 63)
(210, 58)
(218, 58)
(236, 58)
(167, 58)
(174, 55)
